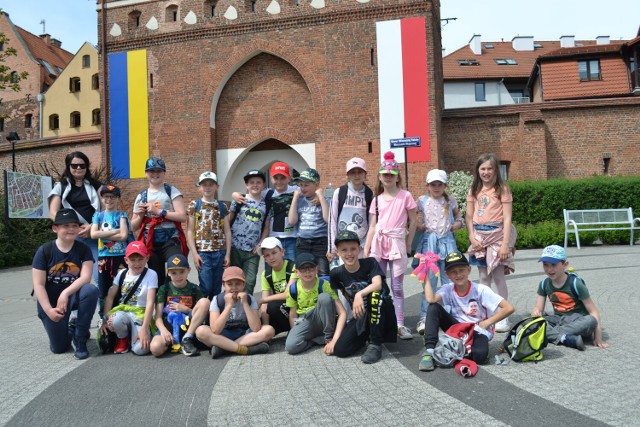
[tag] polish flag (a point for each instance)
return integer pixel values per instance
(403, 92)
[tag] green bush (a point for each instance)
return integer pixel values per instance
(458, 186)
(540, 201)
(20, 238)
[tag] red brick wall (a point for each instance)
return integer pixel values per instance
(547, 140)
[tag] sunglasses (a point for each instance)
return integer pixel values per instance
(78, 166)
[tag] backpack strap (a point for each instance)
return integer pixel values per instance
(293, 289)
(368, 197)
(220, 301)
(342, 197)
(268, 273)
(135, 286)
(144, 194)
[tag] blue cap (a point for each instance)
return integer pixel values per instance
(305, 258)
(177, 261)
(553, 254)
(155, 163)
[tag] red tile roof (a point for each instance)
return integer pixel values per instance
(41, 51)
(488, 68)
(565, 52)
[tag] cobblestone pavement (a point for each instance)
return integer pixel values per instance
(594, 387)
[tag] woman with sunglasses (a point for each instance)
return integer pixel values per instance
(78, 190)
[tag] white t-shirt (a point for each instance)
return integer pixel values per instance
(139, 298)
(476, 305)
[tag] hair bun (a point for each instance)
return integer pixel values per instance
(389, 155)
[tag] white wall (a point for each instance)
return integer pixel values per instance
(463, 94)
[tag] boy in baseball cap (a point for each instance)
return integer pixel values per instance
(575, 315)
(235, 320)
(278, 272)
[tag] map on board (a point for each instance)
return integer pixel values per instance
(27, 195)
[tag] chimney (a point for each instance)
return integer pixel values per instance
(522, 43)
(602, 40)
(46, 38)
(475, 44)
(567, 41)
(56, 43)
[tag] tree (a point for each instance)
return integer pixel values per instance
(9, 79)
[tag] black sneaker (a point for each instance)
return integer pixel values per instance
(574, 341)
(217, 352)
(187, 347)
(261, 348)
(372, 354)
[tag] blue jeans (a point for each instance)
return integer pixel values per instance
(289, 245)
(210, 274)
(93, 245)
(85, 301)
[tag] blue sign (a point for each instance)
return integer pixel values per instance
(405, 142)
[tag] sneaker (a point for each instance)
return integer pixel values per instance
(261, 348)
(372, 354)
(217, 352)
(188, 348)
(503, 325)
(420, 326)
(426, 361)
(81, 351)
(404, 333)
(574, 341)
(122, 345)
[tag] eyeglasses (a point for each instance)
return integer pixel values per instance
(308, 269)
(78, 166)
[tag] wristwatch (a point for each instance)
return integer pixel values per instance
(163, 213)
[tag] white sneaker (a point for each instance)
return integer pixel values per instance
(404, 333)
(420, 326)
(503, 325)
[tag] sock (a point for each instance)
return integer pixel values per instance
(242, 349)
(187, 335)
(563, 338)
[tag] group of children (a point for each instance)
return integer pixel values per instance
(365, 234)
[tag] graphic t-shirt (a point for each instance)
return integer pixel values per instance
(279, 213)
(188, 296)
(237, 316)
(209, 226)
(109, 221)
(311, 223)
(139, 297)
(165, 230)
(279, 278)
(567, 299)
(476, 305)
(352, 283)
(307, 299)
(353, 217)
(63, 268)
(488, 207)
(247, 227)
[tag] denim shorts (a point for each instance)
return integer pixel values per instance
(235, 333)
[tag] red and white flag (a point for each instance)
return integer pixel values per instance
(403, 91)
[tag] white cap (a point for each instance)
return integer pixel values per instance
(207, 175)
(437, 175)
(270, 243)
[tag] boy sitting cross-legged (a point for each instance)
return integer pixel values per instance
(278, 272)
(235, 325)
(313, 309)
(470, 302)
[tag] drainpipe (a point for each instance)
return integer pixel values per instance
(40, 99)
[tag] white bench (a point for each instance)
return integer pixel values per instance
(598, 220)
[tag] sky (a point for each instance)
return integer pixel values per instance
(493, 19)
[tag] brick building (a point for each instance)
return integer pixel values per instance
(236, 85)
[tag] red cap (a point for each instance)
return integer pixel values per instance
(280, 168)
(231, 273)
(467, 368)
(136, 247)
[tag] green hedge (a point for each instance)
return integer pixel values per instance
(20, 238)
(539, 201)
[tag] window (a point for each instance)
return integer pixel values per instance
(210, 8)
(86, 61)
(1, 47)
(54, 122)
(1, 124)
(504, 170)
(537, 45)
(508, 61)
(74, 84)
(95, 117)
(488, 46)
(28, 121)
(589, 70)
(14, 77)
(467, 62)
(134, 20)
(74, 119)
(480, 92)
(250, 5)
(171, 13)
(95, 81)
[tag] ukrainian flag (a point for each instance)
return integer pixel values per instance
(129, 113)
